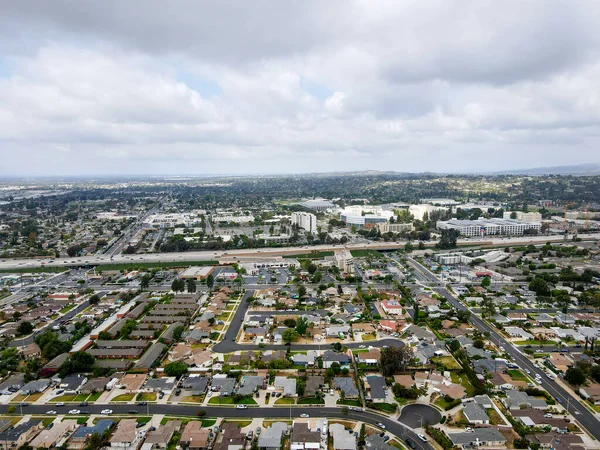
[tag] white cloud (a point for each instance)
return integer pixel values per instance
(412, 86)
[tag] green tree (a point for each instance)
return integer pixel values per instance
(78, 362)
(176, 369)
(177, 332)
(575, 376)
(210, 281)
(24, 328)
(448, 238)
(191, 285)
(486, 282)
(178, 285)
(301, 326)
(290, 323)
(145, 281)
(289, 335)
(301, 291)
(595, 373)
(394, 359)
(94, 299)
(540, 287)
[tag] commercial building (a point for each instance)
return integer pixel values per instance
(196, 273)
(306, 221)
(385, 227)
(317, 204)
(418, 211)
(359, 221)
(483, 227)
(524, 216)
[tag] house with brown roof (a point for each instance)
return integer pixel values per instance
(32, 351)
(230, 437)
(132, 382)
(591, 392)
(126, 435)
(161, 436)
(404, 380)
(194, 436)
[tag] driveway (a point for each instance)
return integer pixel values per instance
(416, 416)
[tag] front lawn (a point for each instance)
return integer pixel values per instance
(385, 407)
(534, 343)
(146, 397)
(463, 380)
(94, 397)
(63, 398)
(517, 375)
(229, 401)
(443, 404)
(285, 401)
(240, 423)
(123, 398)
(66, 309)
(368, 337)
(348, 402)
(447, 361)
(311, 401)
(193, 399)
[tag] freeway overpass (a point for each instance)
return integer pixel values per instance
(232, 255)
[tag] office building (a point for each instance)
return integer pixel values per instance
(485, 227)
(524, 216)
(306, 221)
(395, 227)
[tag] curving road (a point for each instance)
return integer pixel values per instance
(391, 425)
(582, 414)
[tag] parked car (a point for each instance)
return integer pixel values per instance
(241, 406)
(83, 404)
(106, 411)
(52, 413)
(422, 437)
(74, 411)
(412, 444)
(140, 425)
(133, 411)
(304, 416)
(142, 403)
(380, 425)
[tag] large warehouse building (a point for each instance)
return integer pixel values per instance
(483, 227)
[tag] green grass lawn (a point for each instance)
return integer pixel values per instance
(193, 399)
(534, 343)
(385, 407)
(457, 377)
(94, 397)
(517, 375)
(365, 253)
(208, 422)
(146, 397)
(150, 265)
(63, 398)
(348, 402)
(447, 361)
(229, 401)
(174, 442)
(143, 419)
(368, 337)
(80, 420)
(240, 423)
(285, 401)
(123, 398)
(443, 404)
(66, 309)
(311, 401)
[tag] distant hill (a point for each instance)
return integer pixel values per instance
(579, 169)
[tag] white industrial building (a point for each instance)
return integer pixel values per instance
(524, 216)
(418, 211)
(483, 227)
(318, 204)
(306, 221)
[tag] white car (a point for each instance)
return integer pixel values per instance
(548, 416)
(362, 346)
(106, 411)
(380, 425)
(528, 372)
(469, 430)
(74, 411)
(241, 407)
(422, 437)
(304, 416)
(51, 412)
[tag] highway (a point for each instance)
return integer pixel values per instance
(582, 414)
(232, 255)
(392, 426)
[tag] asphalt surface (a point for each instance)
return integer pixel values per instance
(92, 260)
(391, 425)
(228, 344)
(417, 416)
(584, 416)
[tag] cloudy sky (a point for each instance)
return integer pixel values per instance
(194, 87)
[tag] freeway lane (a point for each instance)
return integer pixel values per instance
(25, 263)
(585, 417)
(391, 425)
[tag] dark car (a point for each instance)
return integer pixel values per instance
(24, 404)
(411, 443)
(83, 404)
(133, 411)
(142, 403)
(140, 425)
(50, 425)
(178, 392)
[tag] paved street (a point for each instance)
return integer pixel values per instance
(585, 417)
(391, 425)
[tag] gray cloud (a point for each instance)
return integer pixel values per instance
(128, 87)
